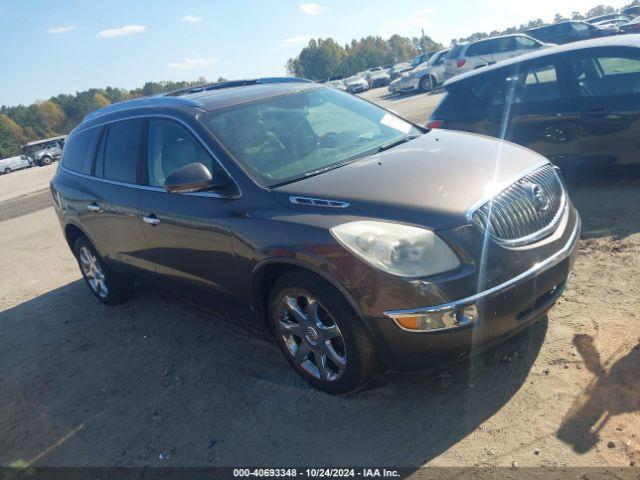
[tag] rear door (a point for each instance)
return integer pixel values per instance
(544, 116)
(112, 207)
(608, 89)
(187, 235)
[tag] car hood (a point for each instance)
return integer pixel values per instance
(430, 181)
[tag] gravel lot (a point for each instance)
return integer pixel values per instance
(163, 380)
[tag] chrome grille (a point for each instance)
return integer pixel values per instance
(525, 211)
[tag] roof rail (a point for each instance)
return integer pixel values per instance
(234, 83)
(137, 102)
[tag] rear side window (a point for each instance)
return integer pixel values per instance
(525, 43)
(454, 52)
(120, 152)
(480, 48)
(80, 150)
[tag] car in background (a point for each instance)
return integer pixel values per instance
(363, 242)
(11, 164)
(378, 78)
(46, 151)
(631, 27)
(632, 12)
(610, 17)
(337, 81)
(612, 24)
(356, 84)
(424, 77)
(418, 59)
(569, 31)
(398, 69)
(576, 104)
(465, 57)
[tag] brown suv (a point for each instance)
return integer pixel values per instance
(365, 241)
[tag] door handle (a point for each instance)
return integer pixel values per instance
(151, 220)
(94, 207)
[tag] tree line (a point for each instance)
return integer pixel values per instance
(58, 115)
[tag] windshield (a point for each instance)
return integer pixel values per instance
(286, 138)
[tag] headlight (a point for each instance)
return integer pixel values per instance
(397, 249)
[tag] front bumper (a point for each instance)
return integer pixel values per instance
(503, 310)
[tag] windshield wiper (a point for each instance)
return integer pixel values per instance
(395, 143)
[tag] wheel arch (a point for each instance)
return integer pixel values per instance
(72, 232)
(268, 271)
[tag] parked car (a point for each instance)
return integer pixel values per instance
(611, 24)
(424, 77)
(11, 164)
(378, 78)
(570, 31)
(631, 11)
(578, 104)
(46, 151)
(608, 17)
(357, 84)
(398, 69)
(421, 58)
(300, 199)
(337, 81)
(632, 27)
(470, 56)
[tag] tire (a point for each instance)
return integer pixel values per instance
(425, 83)
(107, 286)
(45, 161)
(7, 171)
(350, 360)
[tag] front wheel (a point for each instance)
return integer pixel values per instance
(320, 334)
(7, 171)
(45, 161)
(107, 286)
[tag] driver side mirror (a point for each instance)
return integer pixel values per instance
(189, 178)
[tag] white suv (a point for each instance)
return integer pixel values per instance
(464, 57)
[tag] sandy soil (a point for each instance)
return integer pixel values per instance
(163, 380)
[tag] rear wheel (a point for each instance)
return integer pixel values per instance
(425, 83)
(107, 286)
(46, 161)
(320, 335)
(7, 171)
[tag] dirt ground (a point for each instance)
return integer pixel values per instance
(163, 380)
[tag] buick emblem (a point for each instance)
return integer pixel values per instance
(538, 196)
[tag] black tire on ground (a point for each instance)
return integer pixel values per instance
(118, 287)
(425, 83)
(355, 344)
(46, 161)
(7, 171)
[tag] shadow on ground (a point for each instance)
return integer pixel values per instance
(615, 390)
(163, 380)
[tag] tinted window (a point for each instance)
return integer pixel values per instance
(524, 43)
(501, 45)
(528, 85)
(121, 152)
(170, 147)
(79, 151)
(480, 48)
(607, 75)
(580, 27)
(454, 52)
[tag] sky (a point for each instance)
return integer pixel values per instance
(63, 46)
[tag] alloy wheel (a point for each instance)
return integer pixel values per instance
(312, 337)
(93, 272)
